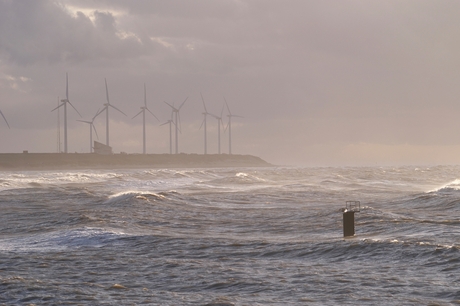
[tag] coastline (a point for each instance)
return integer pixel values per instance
(78, 161)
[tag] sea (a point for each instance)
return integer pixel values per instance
(230, 236)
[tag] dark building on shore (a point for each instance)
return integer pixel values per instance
(100, 148)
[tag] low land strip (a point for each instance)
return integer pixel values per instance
(62, 161)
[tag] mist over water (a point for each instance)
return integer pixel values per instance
(240, 236)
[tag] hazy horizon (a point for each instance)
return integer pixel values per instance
(318, 83)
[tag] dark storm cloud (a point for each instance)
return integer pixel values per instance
(43, 31)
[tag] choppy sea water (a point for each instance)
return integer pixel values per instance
(234, 236)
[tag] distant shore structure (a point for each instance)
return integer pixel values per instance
(102, 149)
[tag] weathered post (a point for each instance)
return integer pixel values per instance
(349, 217)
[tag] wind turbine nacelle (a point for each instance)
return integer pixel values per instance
(64, 100)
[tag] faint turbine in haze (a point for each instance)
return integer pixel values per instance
(106, 108)
(64, 103)
(170, 121)
(175, 112)
(229, 126)
(91, 127)
(143, 109)
(205, 114)
(219, 123)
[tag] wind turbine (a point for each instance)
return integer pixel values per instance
(106, 109)
(175, 112)
(5, 119)
(229, 126)
(91, 127)
(64, 102)
(204, 123)
(170, 121)
(219, 122)
(143, 109)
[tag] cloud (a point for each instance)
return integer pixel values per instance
(44, 31)
(306, 75)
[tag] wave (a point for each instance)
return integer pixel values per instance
(126, 196)
(453, 186)
(61, 240)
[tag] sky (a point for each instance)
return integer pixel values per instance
(316, 83)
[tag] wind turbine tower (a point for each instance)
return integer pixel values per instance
(106, 109)
(143, 109)
(229, 126)
(64, 103)
(170, 133)
(175, 112)
(205, 114)
(219, 122)
(91, 127)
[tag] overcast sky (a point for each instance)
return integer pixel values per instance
(340, 82)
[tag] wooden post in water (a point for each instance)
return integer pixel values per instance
(349, 217)
(348, 223)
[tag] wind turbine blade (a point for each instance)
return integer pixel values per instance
(66, 86)
(57, 107)
(170, 105)
(202, 122)
(168, 122)
(117, 109)
(89, 122)
(214, 116)
(95, 131)
(152, 113)
(107, 91)
(97, 113)
(103, 109)
(5, 119)
(228, 108)
(74, 108)
(205, 110)
(145, 96)
(222, 111)
(137, 114)
(182, 104)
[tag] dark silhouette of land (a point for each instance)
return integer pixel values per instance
(61, 161)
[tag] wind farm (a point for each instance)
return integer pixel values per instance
(108, 158)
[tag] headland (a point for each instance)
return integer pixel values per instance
(71, 161)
